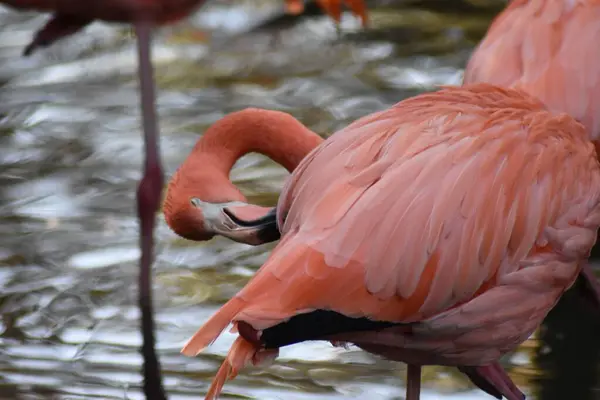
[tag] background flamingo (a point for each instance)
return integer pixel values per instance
(542, 47)
(380, 128)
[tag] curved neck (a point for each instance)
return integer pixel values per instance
(274, 134)
(205, 172)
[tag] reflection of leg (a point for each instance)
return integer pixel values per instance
(493, 380)
(413, 382)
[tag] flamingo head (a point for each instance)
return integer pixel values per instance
(201, 207)
(237, 220)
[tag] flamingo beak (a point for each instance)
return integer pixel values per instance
(239, 221)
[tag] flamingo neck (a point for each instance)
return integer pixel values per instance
(274, 134)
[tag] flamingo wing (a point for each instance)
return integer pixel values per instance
(544, 47)
(413, 210)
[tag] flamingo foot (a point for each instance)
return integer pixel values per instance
(590, 287)
(413, 382)
(493, 380)
(58, 27)
(148, 200)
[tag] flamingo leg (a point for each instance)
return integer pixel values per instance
(148, 201)
(413, 382)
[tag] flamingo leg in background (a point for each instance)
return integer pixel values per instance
(148, 201)
(413, 382)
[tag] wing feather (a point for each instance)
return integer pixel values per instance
(457, 201)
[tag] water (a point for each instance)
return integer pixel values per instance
(71, 158)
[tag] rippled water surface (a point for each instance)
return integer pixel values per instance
(70, 157)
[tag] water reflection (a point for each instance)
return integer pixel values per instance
(69, 130)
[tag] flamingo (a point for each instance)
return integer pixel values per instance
(69, 17)
(536, 73)
(432, 297)
(201, 202)
(542, 46)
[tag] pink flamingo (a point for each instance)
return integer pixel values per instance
(383, 177)
(202, 202)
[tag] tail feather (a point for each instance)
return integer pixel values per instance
(261, 312)
(211, 330)
(240, 355)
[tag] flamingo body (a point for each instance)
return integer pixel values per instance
(423, 225)
(202, 202)
(545, 47)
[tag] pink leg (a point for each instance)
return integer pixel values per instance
(413, 382)
(148, 198)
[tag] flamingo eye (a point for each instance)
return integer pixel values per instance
(196, 202)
